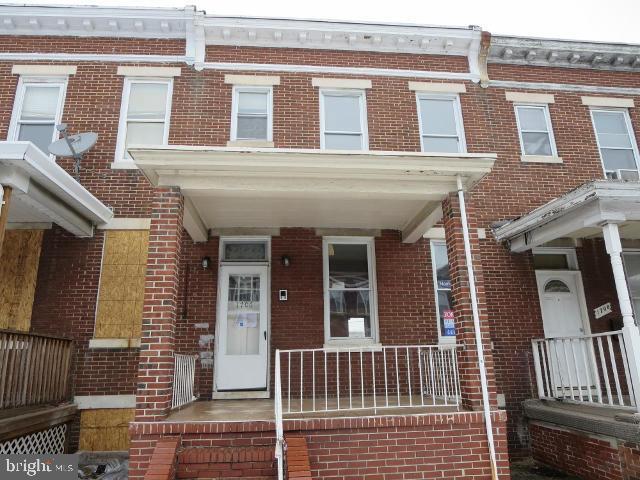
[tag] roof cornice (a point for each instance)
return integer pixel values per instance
(564, 53)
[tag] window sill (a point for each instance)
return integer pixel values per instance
(103, 343)
(250, 143)
(367, 344)
(540, 159)
(124, 165)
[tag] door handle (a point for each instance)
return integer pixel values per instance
(265, 334)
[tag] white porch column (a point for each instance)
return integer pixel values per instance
(630, 331)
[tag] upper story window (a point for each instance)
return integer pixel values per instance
(440, 120)
(144, 114)
(442, 288)
(343, 120)
(349, 289)
(618, 149)
(534, 128)
(37, 111)
(252, 113)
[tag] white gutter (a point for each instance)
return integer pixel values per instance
(476, 327)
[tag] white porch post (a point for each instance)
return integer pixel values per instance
(630, 332)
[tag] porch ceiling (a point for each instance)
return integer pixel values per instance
(44, 193)
(579, 213)
(229, 187)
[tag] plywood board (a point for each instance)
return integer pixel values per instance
(18, 276)
(105, 430)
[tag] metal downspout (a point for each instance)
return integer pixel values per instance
(478, 335)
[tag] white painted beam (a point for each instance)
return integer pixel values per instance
(422, 222)
(193, 224)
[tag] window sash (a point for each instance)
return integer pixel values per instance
(371, 290)
(548, 128)
(436, 289)
(236, 113)
(362, 132)
(457, 115)
(121, 154)
(630, 134)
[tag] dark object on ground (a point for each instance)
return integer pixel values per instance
(529, 469)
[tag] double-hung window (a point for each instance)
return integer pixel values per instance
(618, 149)
(442, 288)
(252, 113)
(349, 289)
(440, 120)
(144, 115)
(632, 269)
(534, 128)
(37, 111)
(343, 118)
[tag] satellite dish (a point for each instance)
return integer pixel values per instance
(73, 146)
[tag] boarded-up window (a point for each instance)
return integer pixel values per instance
(121, 296)
(105, 430)
(18, 276)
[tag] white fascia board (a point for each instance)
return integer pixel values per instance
(149, 71)
(614, 102)
(67, 197)
(44, 70)
(90, 402)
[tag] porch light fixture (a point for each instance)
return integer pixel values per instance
(206, 262)
(285, 260)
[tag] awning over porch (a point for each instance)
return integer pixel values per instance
(228, 188)
(44, 193)
(580, 213)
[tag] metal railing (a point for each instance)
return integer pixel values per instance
(588, 369)
(183, 380)
(34, 369)
(336, 380)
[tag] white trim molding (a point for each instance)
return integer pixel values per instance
(104, 343)
(540, 159)
(44, 70)
(123, 223)
(90, 402)
(158, 72)
(608, 102)
(252, 80)
(525, 97)
(434, 87)
(359, 84)
(250, 143)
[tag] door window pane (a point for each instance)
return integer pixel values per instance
(535, 130)
(343, 127)
(632, 268)
(616, 144)
(243, 315)
(349, 290)
(439, 127)
(446, 321)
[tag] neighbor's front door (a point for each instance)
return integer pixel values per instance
(563, 313)
(242, 340)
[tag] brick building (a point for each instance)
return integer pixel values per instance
(368, 251)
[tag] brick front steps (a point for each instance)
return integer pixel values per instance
(163, 460)
(255, 462)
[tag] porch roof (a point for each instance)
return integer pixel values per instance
(44, 193)
(579, 213)
(237, 187)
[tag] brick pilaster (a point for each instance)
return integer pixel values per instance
(465, 334)
(155, 373)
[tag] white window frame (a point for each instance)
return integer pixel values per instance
(631, 133)
(547, 118)
(373, 292)
(630, 251)
(346, 92)
(457, 111)
(23, 82)
(569, 252)
(120, 161)
(442, 340)
(234, 111)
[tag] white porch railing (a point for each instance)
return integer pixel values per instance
(588, 369)
(183, 380)
(335, 380)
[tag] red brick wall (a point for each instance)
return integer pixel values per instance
(588, 457)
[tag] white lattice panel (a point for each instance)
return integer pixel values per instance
(48, 441)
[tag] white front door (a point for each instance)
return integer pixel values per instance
(564, 314)
(242, 346)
